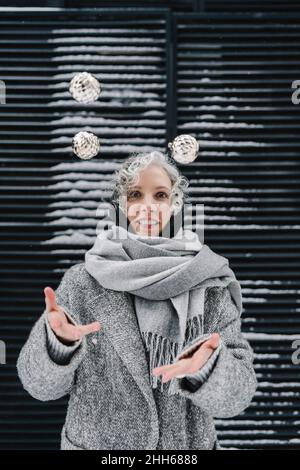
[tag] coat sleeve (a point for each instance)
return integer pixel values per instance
(229, 382)
(39, 372)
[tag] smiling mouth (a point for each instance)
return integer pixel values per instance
(146, 223)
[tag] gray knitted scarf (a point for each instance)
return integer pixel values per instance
(168, 277)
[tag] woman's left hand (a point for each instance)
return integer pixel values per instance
(191, 364)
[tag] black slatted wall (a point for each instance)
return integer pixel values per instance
(233, 75)
(232, 6)
(234, 94)
(49, 197)
(269, 6)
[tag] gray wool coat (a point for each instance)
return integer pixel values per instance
(111, 403)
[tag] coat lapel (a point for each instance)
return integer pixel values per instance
(119, 322)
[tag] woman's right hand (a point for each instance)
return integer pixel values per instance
(67, 332)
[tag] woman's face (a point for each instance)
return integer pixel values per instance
(149, 201)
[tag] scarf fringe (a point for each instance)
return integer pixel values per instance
(162, 351)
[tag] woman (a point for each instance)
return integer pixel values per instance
(145, 335)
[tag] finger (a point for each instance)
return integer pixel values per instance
(215, 339)
(50, 299)
(182, 364)
(90, 328)
(73, 332)
(212, 342)
(54, 321)
(178, 369)
(68, 331)
(200, 357)
(162, 369)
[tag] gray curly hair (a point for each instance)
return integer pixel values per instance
(128, 174)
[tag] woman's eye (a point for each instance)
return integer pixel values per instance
(133, 194)
(162, 195)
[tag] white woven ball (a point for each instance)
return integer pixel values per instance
(184, 148)
(85, 145)
(85, 88)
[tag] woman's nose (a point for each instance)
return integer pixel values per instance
(148, 203)
(148, 207)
